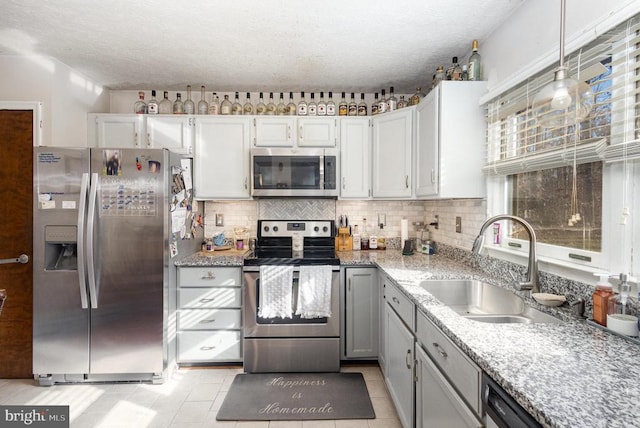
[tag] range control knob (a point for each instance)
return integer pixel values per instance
(266, 228)
(315, 229)
(325, 229)
(275, 228)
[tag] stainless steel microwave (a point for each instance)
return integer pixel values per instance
(282, 172)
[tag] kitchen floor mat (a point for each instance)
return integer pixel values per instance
(296, 396)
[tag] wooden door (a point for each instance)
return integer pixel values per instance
(16, 238)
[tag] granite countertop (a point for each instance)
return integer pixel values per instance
(566, 375)
(231, 258)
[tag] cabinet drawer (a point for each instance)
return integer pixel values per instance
(457, 367)
(216, 297)
(209, 277)
(209, 319)
(401, 304)
(203, 346)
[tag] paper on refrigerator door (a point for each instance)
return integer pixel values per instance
(178, 220)
(185, 164)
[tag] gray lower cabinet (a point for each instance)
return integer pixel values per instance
(382, 325)
(361, 313)
(447, 381)
(209, 318)
(437, 402)
(400, 345)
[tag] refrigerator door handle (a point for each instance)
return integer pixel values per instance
(82, 214)
(91, 217)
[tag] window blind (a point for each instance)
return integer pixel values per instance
(611, 66)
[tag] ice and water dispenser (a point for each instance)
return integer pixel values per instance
(61, 247)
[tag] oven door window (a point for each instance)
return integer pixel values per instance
(296, 319)
(286, 172)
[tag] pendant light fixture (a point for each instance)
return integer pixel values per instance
(565, 101)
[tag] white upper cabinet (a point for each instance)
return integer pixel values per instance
(450, 142)
(289, 131)
(221, 158)
(116, 130)
(141, 132)
(170, 132)
(392, 146)
(355, 158)
(317, 131)
(274, 131)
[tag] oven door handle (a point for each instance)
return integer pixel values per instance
(296, 269)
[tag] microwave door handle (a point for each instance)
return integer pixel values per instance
(82, 214)
(91, 217)
(321, 172)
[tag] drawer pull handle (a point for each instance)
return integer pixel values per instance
(440, 350)
(209, 321)
(207, 348)
(395, 300)
(210, 275)
(206, 300)
(407, 359)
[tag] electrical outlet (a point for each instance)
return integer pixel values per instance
(219, 220)
(458, 224)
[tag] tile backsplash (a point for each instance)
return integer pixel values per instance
(247, 213)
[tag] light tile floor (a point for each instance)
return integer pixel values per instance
(190, 399)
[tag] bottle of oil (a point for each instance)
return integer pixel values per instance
(364, 236)
(601, 298)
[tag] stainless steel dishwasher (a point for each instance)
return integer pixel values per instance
(501, 410)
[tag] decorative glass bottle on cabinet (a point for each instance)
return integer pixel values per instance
(165, 106)
(291, 107)
(140, 107)
(178, 105)
(189, 105)
(203, 105)
(152, 106)
(247, 108)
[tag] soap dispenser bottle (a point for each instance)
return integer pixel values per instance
(601, 298)
(619, 317)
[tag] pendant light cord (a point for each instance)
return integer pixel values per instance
(563, 12)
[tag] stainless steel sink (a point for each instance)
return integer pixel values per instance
(479, 301)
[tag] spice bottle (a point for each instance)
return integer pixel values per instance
(364, 236)
(356, 238)
(601, 297)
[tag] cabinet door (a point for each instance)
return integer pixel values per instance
(355, 158)
(221, 158)
(450, 142)
(170, 132)
(317, 132)
(274, 131)
(392, 144)
(361, 313)
(382, 325)
(118, 131)
(437, 402)
(400, 360)
(427, 155)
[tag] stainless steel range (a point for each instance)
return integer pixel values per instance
(292, 258)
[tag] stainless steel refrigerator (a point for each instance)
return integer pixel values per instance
(104, 281)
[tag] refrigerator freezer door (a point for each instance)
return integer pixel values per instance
(60, 325)
(130, 249)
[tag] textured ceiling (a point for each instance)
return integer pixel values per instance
(251, 45)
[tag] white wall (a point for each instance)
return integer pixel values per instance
(529, 40)
(66, 96)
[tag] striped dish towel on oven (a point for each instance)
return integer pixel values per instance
(276, 287)
(314, 292)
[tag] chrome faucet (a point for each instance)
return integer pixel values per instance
(531, 282)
